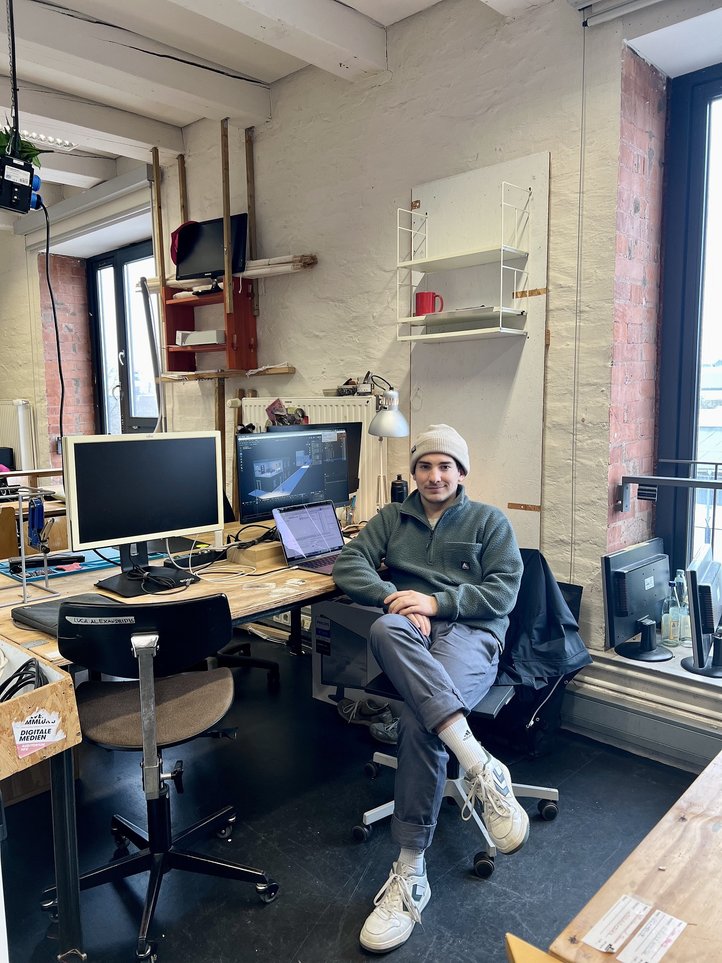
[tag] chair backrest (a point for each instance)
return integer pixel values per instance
(97, 635)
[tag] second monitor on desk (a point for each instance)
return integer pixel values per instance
(286, 468)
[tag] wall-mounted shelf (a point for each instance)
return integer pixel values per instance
(239, 349)
(495, 274)
(279, 369)
(464, 259)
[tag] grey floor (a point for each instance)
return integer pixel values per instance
(296, 776)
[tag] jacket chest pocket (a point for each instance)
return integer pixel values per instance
(462, 561)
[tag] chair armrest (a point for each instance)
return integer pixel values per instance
(494, 701)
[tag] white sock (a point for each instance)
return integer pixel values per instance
(412, 859)
(461, 740)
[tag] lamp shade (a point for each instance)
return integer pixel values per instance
(389, 422)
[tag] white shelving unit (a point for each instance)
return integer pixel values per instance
(496, 277)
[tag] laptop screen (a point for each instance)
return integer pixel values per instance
(306, 531)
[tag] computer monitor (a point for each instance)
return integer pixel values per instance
(635, 582)
(277, 469)
(124, 490)
(200, 248)
(704, 592)
(353, 431)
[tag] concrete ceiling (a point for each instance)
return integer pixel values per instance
(118, 78)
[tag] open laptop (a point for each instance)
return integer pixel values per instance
(310, 535)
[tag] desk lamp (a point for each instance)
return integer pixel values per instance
(388, 422)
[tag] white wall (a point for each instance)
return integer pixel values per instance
(464, 90)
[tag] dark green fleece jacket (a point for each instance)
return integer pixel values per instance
(469, 561)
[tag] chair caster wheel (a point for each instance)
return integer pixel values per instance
(267, 892)
(483, 865)
(50, 906)
(120, 852)
(362, 833)
(227, 831)
(146, 951)
(548, 809)
(371, 770)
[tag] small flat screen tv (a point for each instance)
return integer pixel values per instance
(200, 248)
(128, 490)
(279, 469)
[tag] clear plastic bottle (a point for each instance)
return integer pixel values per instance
(671, 617)
(685, 627)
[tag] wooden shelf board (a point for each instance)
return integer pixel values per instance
(214, 375)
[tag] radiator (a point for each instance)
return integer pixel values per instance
(323, 410)
(17, 432)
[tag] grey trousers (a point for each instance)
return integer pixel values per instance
(436, 677)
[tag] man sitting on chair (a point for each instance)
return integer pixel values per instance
(452, 575)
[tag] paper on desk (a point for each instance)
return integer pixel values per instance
(653, 940)
(617, 924)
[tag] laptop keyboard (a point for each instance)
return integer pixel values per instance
(322, 562)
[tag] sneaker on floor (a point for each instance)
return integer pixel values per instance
(364, 712)
(505, 819)
(398, 903)
(387, 732)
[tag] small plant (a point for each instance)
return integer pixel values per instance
(27, 151)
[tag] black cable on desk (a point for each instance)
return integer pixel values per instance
(29, 674)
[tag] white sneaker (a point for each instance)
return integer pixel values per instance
(503, 816)
(398, 903)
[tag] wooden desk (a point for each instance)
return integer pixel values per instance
(249, 598)
(676, 869)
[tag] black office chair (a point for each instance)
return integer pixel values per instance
(151, 643)
(542, 637)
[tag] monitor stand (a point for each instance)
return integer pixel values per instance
(646, 650)
(713, 668)
(138, 578)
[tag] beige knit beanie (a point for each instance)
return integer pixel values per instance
(441, 440)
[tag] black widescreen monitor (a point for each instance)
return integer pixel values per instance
(200, 248)
(125, 490)
(704, 591)
(353, 431)
(278, 469)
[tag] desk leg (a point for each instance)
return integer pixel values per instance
(294, 643)
(65, 847)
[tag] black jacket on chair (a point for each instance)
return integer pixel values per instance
(543, 651)
(543, 641)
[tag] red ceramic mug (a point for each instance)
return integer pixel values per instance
(426, 303)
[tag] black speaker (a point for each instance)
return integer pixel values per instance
(7, 458)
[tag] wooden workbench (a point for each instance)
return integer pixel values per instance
(676, 869)
(249, 597)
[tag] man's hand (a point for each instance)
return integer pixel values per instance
(422, 623)
(412, 603)
(417, 607)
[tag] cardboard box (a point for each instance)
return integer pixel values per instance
(37, 723)
(31, 782)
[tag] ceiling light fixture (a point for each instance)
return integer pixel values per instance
(47, 140)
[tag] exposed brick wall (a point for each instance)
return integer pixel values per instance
(68, 279)
(633, 408)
